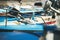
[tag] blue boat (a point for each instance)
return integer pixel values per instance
(10, 29)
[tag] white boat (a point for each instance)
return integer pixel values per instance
(48, 20)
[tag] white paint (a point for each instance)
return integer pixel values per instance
(58, 21)
(49, 36)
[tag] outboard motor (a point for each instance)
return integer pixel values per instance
(47, 7)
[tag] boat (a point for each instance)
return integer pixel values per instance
(29, 11)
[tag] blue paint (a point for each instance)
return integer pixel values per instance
(21, 35)
(51, 27)
(2, 18)
(17, 36)
(22, 27)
